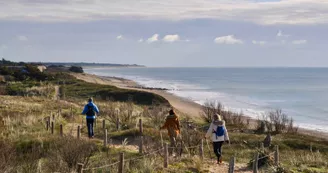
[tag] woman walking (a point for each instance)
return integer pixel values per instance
(219, 134)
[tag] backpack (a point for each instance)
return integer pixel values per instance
(219, 131)
(90, 111)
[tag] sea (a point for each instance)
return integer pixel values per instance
(301, 93)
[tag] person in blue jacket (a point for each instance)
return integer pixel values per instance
(90, 111)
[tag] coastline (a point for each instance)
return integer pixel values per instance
(183, 105)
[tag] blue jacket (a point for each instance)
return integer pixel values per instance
(85, 110)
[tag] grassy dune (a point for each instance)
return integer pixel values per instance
(27, 145)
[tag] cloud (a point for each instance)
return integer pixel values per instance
(259, 42)
(153, 38)
(299, 42)
(22, 38)
(261, 12)
(280, 34)
(140, 40)
(120, 37)
(229, 39)
(171, 38)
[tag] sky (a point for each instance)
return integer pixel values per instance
(167, 33)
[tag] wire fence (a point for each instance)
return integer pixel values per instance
(163, 151)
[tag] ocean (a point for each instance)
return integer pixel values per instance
(301, 93)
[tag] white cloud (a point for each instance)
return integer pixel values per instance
(171, 38)
(140, 40)
(22, 38)
(299, 42)
(229, 39)
(259, 42)
(280, 34)
(153, 38)
(120, 37)
(263, 12)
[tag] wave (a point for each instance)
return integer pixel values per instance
(201, 94)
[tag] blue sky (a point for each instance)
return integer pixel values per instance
(167, 33)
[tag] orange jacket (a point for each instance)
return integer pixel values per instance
(172, 125)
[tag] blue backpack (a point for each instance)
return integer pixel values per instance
(219, 131)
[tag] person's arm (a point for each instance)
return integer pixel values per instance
(226, 136)
(178, 123)
(209, 131)
(85, 109)
(95, 108)
(165, 125)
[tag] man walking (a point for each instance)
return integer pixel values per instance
(90, 111)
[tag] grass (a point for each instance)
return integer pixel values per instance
(30, 148)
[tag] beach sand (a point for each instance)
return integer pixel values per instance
(183, 105)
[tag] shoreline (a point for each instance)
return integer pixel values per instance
(183, 105)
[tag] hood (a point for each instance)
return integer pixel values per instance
(172, 116)
(90, 103)
(218, 123)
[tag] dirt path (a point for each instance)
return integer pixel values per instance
(212, 167)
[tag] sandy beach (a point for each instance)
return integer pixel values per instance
(183, 105)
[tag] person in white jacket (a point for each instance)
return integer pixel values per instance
(219, 135)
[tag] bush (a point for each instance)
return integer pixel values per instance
(76, 69)
(276, 122)
(67, 152)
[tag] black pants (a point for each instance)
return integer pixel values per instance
(90, 126)
(217, 148)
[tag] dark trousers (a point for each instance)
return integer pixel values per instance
(217, 149)
(90, 127)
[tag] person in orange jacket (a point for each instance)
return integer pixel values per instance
(172, 125)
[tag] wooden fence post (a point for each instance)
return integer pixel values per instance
(140, 144)
(255, 163)
(104, 124)
(121, 164)
(162, 142)
(61, 130)
(201, 150)
(276, 155)
(117, 123)
(78, 132)
(140, 127)
(79, 168)
(166, 155)
(47, 125)
(232, 165)
(52, 127)
(105, 138)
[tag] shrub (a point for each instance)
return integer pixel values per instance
(276, 122)
(67, 152)
(76, 69)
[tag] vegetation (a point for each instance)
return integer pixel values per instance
(76, 69)
(26, 145)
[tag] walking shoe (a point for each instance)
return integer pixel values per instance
(220, 160)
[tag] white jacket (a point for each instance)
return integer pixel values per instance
(212, 129)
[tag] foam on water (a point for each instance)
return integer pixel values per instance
(200, 94)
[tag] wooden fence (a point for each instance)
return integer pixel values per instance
(50, 124)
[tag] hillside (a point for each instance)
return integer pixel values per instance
(29, 108)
